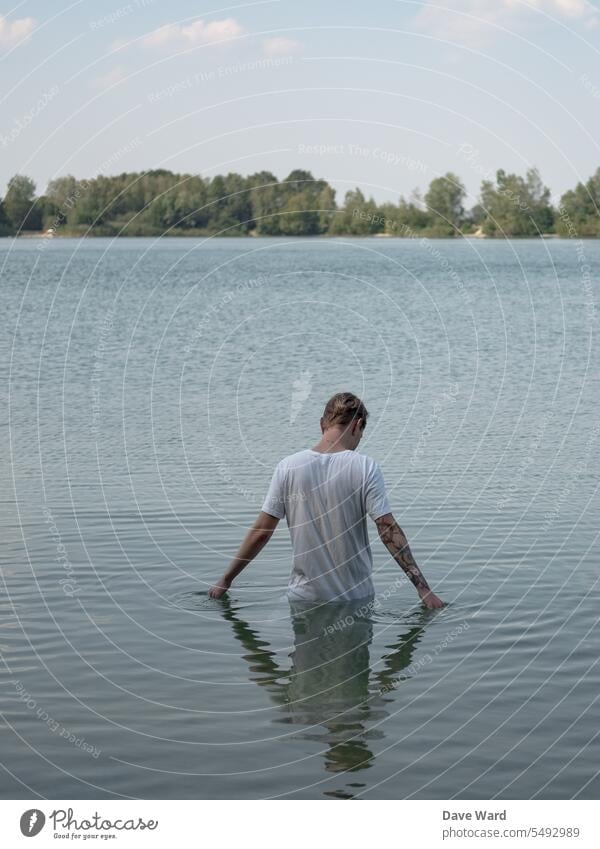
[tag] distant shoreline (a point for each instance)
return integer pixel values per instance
(159, 203)
(38, 236)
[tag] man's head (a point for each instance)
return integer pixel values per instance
(347, 414)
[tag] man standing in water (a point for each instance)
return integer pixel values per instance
(325, 494)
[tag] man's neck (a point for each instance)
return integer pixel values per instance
(332, 441)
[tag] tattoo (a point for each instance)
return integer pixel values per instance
(392, 536)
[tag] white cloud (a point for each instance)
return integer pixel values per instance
(119, 44)
(572, 8)
(161, 36)
(202, 33)
(107, 80)
(280, 46)
(475, 22)
(198, 32)
(12, 32)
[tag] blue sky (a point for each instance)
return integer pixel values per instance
(385, 95)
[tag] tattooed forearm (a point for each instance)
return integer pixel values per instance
(392, 536)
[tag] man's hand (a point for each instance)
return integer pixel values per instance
(255, 540)
(430, 600)
(220, 588)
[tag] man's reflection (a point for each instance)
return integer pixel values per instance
(330, 684)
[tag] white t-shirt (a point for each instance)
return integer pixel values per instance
(325, 499)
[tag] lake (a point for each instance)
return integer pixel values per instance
(152, 386)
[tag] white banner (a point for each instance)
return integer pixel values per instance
(514, 824)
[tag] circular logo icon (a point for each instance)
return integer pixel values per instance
(32, 822)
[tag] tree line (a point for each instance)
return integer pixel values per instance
(161, 202)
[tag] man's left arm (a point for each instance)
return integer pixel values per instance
(394, 539)
(255, 540)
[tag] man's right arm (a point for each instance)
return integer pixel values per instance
(253, 543)
(392, 536)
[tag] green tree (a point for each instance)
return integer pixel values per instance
(298, 219)
(267, 200)
(445, 204)
(58, 201)
(358, 217)
(61, 190)
(19, 204)
(229, 209)
(163, 212)
(88, 205)
(300, 214)
(579, 210)
(515, 206)
(476, 215)
(239, 204)
(159, 200)
(327, 207)
(4, 222)
(410, 217)
(539, 200)
(302, 181)
(181, 203)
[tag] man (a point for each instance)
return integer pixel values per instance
(325, 494)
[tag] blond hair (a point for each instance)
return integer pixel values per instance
(344, 408)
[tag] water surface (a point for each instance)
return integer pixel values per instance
(151, 387)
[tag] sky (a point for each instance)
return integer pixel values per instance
(384, 95)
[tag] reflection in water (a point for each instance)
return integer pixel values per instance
(331, 688)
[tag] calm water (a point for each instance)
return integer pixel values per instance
(151, 388)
